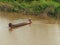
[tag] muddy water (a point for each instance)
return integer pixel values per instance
(38, 33)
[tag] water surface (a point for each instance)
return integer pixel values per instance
(37, 33)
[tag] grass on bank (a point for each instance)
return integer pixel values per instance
(32, 7)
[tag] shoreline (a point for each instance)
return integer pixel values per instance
(16, 16)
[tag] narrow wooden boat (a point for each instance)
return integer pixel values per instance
(20, 24)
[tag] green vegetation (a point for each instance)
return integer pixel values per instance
(31, 7)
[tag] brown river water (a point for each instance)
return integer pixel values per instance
(38, 33)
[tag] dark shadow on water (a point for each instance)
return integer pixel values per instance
(12, 29)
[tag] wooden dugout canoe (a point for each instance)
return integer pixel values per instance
(20, 24)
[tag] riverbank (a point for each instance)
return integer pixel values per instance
(32, 7)
(15, 16)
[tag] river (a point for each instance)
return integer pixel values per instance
(38, 33)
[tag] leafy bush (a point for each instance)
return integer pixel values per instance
(34, 7)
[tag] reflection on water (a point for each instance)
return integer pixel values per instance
(36, 34)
